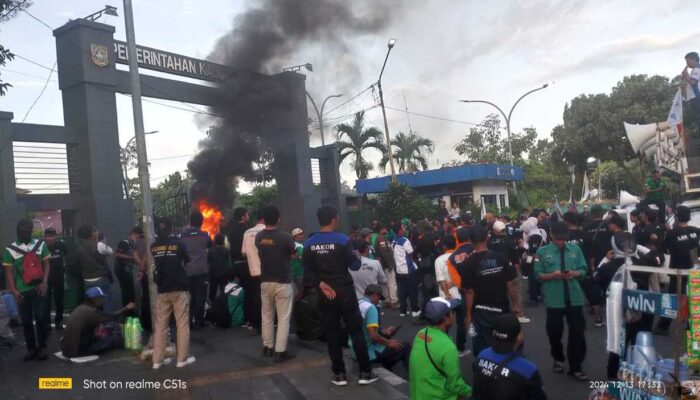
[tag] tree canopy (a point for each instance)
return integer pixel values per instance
(354, 140)
(410, 152)
(488, 143)
(8, 10)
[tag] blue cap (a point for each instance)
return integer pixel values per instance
(437, 308)
(94, 292)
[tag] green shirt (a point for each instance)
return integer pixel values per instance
(426, 382)
(11, 258)
(370, 319)
(653, 184)
(297, 271)
(547, 260)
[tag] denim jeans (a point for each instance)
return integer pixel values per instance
(408, 291)
(34, 308)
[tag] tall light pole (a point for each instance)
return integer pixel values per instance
(125, 177)
(319, 114)
(507, 118)
(390, 154)
(146, 198)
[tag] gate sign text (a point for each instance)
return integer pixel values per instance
(662, 304)
(164, 61)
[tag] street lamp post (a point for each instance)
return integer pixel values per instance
(125, 177)
(390, 154)
(319, 114)
(507, 118)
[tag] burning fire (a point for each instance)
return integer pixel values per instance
(212, 217)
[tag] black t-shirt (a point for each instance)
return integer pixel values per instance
(576, 236)
(506, 246)
(647, 238)
(426, 247)
(596, 241)
(275, 248)
(326, 257)
(516, 379)
(58, 251)
(170, 257)
(488, 274)
(235, 239)
(680, 241)
(219, 259)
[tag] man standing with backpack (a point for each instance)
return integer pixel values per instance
(26, 263)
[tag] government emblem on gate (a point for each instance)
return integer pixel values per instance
(100, 56)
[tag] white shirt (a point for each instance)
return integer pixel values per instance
(690, 89)
(250, 251)
(370, 272)
(401, 256)
(454, 212)
(442, 274)
(103, 249)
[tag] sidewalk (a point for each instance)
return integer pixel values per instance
(229, 365)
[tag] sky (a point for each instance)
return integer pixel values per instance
(446, 50)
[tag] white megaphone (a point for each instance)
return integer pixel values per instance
(627, 199)
(642, 138)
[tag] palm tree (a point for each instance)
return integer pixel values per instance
(410, 152)
(358, 139)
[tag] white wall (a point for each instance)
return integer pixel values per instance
(481, 188)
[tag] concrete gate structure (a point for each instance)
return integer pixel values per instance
(88, 79)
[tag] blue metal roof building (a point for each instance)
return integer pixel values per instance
(444, 176)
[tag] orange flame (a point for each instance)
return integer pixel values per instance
(213, 218)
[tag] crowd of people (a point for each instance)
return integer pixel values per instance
(475, 275)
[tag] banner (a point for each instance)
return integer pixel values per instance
(661, 304)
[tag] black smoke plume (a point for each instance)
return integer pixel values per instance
(264, 37)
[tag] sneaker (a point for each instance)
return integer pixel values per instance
(558, 367)
(579, 375)
(165, 361)
(403, 314)
(367, 378)
(598, 323)
(190, 360)
(415, 314)
(464, 353)
(340, 380)
(267, 352)
(282, 357)
(42, 354)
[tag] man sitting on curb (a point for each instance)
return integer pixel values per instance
(500, 372)
(380, 346)
(435, 373)
(79, 337)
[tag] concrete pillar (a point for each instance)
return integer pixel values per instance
(10, 210)
(297, 200)
(87, 78)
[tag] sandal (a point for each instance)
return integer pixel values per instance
(579, 375)
(558, 367)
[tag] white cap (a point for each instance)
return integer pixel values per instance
(296, 231)
(499, 226)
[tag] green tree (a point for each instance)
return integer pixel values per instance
(400, 201)
(8, 10)
(488, 143)
(410, 152)
(260, 196)
(354, 140)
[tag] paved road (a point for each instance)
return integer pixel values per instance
(229, 366)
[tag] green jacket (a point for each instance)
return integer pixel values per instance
(547, 260)
(426, 382)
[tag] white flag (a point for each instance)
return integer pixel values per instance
(483, 208)
(586, 191)
(675, 115)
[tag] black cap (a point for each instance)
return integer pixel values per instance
(374, 289)
(50, 231)
(559, 230)
(504, 331)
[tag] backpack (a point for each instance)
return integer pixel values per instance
(308, 317)
(32, 268)
(219, 313)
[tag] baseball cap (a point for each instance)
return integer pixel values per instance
(499, 226)
(437, 308)
(296, 231)
(374, 289)
(93, 292)
(504, 331)
(365, 231)
(50, 231)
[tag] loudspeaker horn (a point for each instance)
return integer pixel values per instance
(627, 198)
(642, 138)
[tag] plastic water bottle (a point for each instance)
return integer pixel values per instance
(658, 386)
(137, 342)
(127, 333)
(472, 331)
(623, 373)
